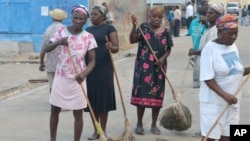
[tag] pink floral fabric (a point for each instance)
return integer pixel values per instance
(66, 92)
(78, 45)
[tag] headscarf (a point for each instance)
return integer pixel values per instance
(218, 7)
(80, 8)
(101, 9)
(227, 21)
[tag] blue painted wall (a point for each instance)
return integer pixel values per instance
(22, 20)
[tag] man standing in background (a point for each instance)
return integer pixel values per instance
(189, 14)
(177, 21)
(197, 28)
(170, 18)
(57, 16)
(244, 19)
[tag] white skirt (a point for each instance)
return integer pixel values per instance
(67, 93)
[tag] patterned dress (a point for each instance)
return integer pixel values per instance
(149, 81)
(66, 92)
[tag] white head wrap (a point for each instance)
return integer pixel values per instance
(218, 7)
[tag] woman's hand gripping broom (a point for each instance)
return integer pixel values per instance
(127, 134)
(97, 125)
(224, 110)
(176, 116)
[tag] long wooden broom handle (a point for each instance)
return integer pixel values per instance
(184, 78)
(98, 127)
(224, 110)
(117, 80)
(164, 73)
(185, 74)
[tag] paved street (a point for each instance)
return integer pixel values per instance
(25, 115)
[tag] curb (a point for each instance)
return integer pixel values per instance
(5, 94)
(20, 62)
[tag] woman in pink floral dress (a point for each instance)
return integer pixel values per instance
(149, 81)
(66, 90)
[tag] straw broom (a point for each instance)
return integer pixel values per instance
(182, 117)
(97, 125)
(177, 116)
(127, 134)
(224, 110)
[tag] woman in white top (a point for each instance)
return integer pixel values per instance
(220, 75)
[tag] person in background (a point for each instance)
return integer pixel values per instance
(100, 82)
(213, 13)
(221, 75)
(197, 27)
(109, 16)
(244, 19)
(148, 80)
(189, 14)
(177, 21)
(67, 90)
(57, 16)
(170, 18)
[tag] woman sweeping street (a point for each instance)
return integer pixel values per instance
(221, 74)
(149, 82)
(100, 82)
(66, 90)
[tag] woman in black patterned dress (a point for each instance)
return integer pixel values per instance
(149, 81)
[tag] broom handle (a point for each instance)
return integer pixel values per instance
(224, 110)
(172, 89)
(185, 75)
(117, 81)
(184, 78)
(98, 128)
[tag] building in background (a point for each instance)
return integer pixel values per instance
(24, 21)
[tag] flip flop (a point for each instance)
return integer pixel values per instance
(94, 137)
(197, 135)
(139, 130)
(155, 130)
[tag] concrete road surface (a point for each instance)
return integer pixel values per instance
(25, 117)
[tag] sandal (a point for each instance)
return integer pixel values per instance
(94, 137)
(155, 130)
(197, 135)
(139, 130)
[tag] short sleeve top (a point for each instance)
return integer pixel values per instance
(78, 45)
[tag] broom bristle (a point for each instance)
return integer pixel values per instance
(126, 135)
(103, 137)
(176, 117)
